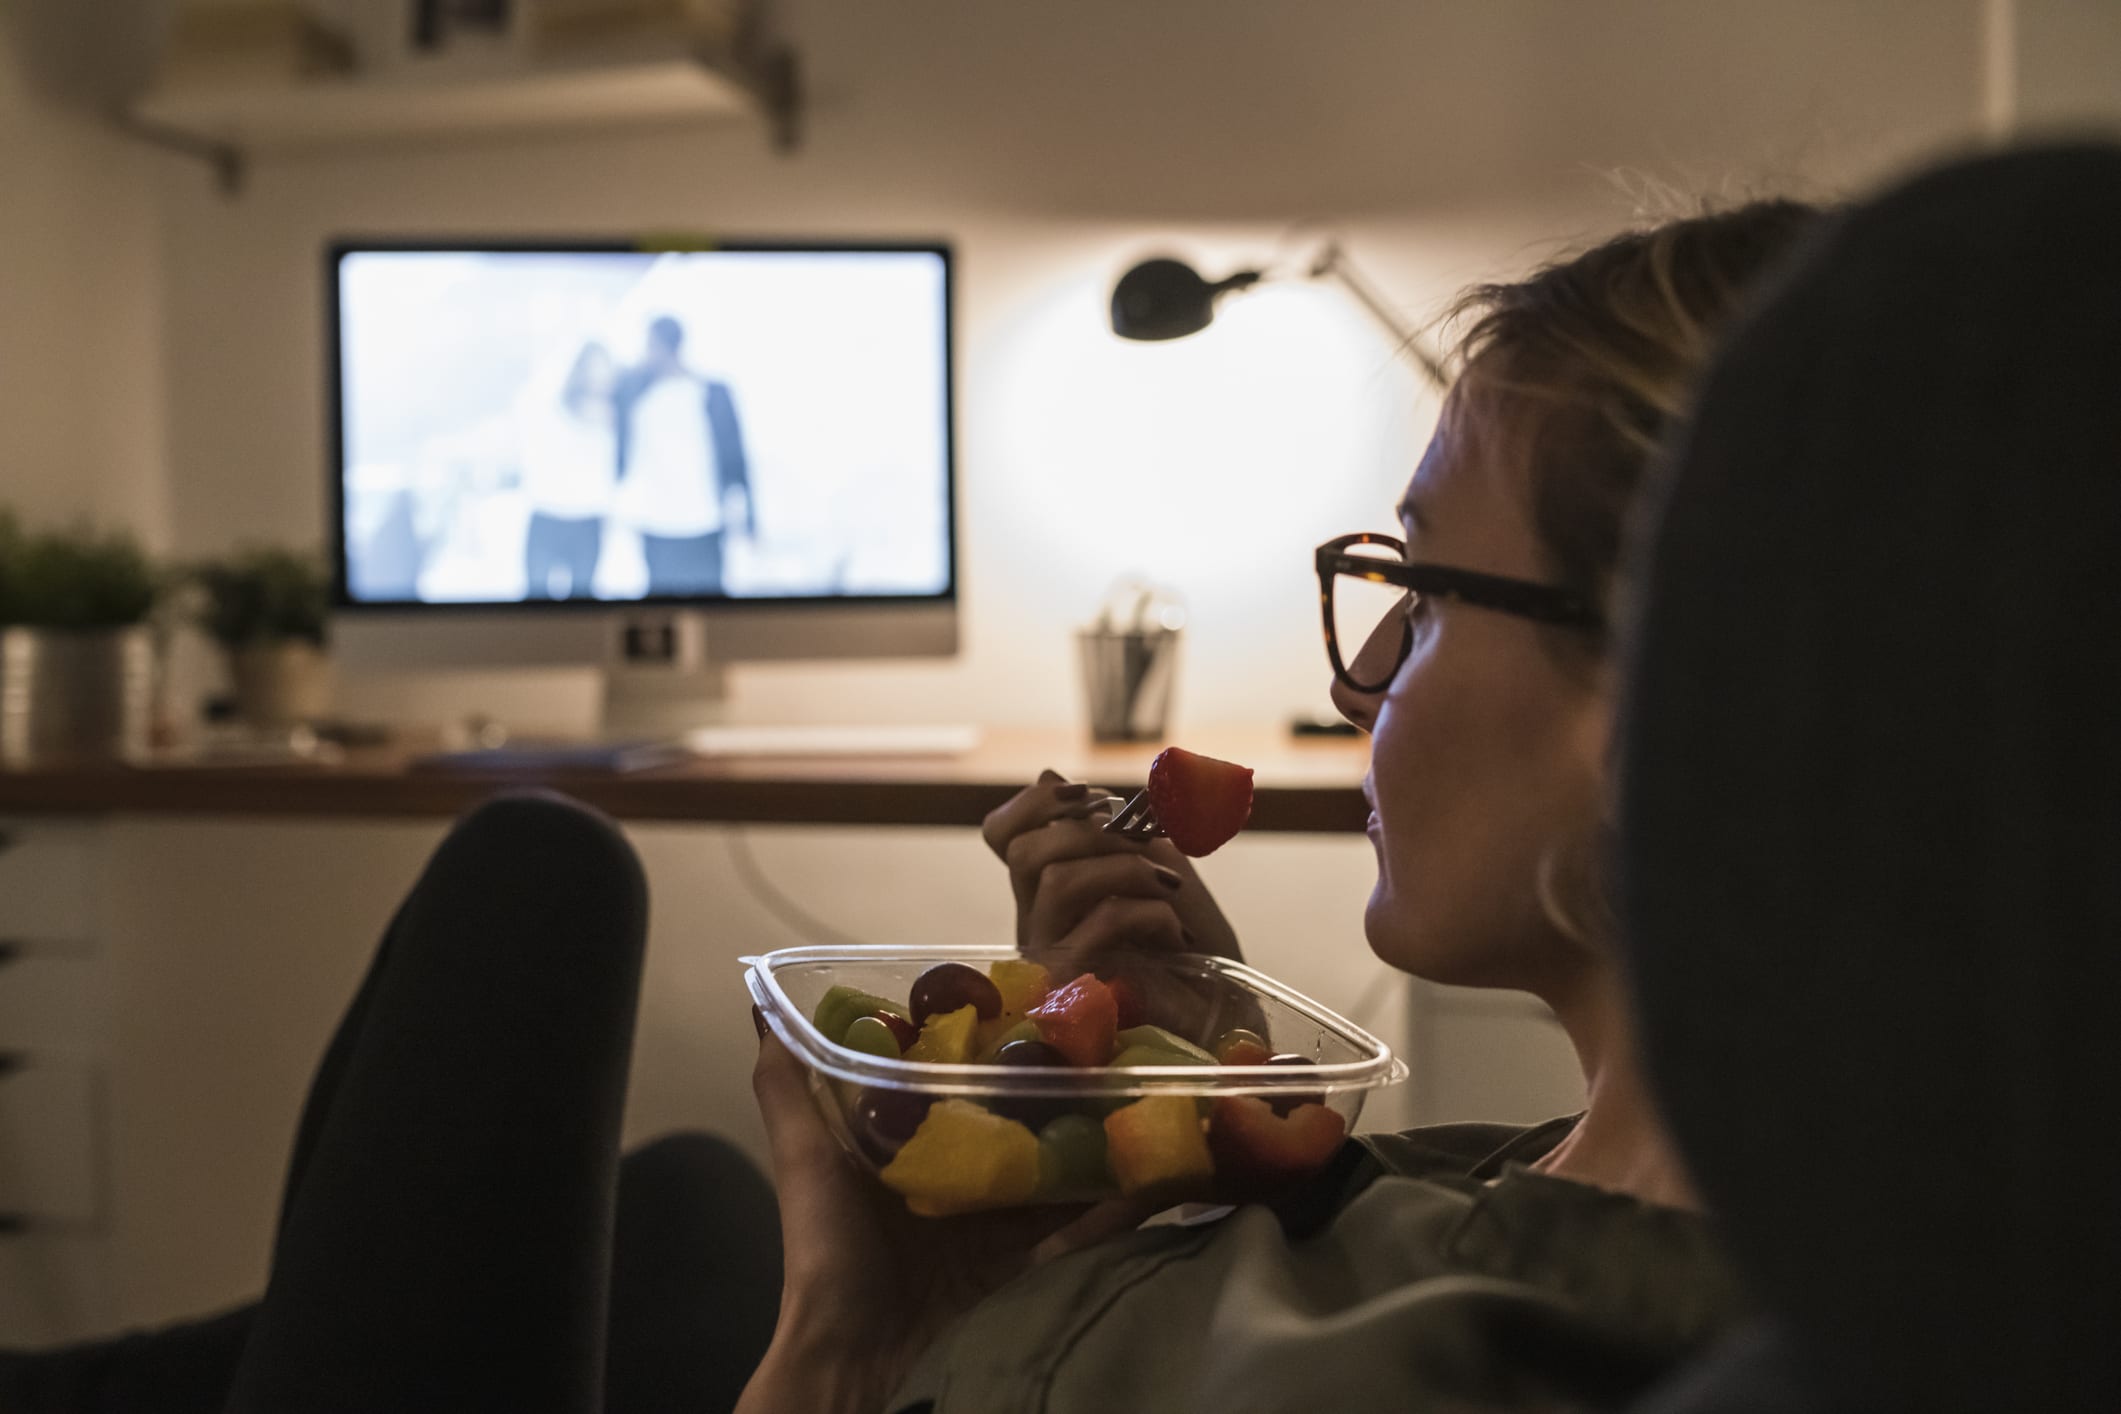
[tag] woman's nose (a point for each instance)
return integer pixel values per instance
(1358, 707)
(1377, 661)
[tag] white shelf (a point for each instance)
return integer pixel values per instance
(337, 112)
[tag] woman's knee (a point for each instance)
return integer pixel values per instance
(539, 854)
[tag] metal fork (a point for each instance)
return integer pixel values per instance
(1135, 821)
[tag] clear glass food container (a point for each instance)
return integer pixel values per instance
(1167, 1121)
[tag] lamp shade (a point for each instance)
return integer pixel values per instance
(1162, 298)
(1167, 299)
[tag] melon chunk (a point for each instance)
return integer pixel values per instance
(963, 1158)
(1157, 1143)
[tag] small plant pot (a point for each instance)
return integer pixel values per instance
(70, 696)
(280, 685)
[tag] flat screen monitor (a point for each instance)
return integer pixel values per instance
(531, 429)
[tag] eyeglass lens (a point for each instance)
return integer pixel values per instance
(1359, 606)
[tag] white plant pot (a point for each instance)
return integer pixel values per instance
(69, 697)
(280, 685)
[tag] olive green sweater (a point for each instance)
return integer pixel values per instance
(1425, 1271)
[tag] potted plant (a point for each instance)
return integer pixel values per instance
(268, 609)
(76, 661)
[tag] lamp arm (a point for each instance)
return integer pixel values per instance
(1334, 261)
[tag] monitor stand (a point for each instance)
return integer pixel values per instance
(659, 680)
(662, 685)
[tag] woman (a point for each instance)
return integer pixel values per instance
(570, 474)
(1461, 1267)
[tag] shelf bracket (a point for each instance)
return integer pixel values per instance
(765, 63)
(776, 80)
(227, 161)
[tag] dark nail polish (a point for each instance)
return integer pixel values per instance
(758, 1022)
(1169, 878)
(1048, 776)
(1185, 936)
(1074, 790)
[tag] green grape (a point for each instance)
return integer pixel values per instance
(841, 1005)
(871, 1035)
(1071, 1156)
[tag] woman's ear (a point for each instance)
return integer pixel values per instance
(1590, 734)
(1571, 886)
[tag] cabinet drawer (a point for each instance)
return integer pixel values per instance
(48, 883)
(52, 1001)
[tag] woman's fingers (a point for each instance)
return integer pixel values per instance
(1115, 925)
(832, 1242)
(795, 1132)
(1069, 889)
(1052, 797)
(1030, 808)
(1030, 855)
(1035, 856)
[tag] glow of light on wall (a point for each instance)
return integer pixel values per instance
(1210, 464)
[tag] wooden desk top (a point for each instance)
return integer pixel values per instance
(1306, 785)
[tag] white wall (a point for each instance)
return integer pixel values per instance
(1053, 142)
(2066, 64)
(81, 428)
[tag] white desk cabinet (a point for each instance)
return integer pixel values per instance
(191, 968)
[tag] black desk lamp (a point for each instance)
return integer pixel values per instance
(1167, 299)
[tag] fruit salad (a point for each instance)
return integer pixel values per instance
(988, 1082)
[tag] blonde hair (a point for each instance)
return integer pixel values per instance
(1572, 380)
(1574, 377)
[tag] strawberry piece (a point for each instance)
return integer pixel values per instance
(1257, 1150)
(1200, 803)
(1129, 1004)
(1080, 1020)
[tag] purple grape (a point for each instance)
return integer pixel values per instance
(1029, 1052)
(1033, 1110)
(947, 986)
(882, 1120)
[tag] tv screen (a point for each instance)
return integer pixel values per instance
(533, 425)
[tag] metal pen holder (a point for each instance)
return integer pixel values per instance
(1129, 673)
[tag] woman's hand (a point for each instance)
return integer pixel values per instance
(868, 1285)
(1081, 893)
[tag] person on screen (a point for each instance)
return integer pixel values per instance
(570, 471)
(683, 477)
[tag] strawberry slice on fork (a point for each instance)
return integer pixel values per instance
(1197, 802)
